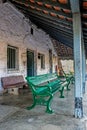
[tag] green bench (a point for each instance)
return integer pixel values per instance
(43, 88)
(69, 77)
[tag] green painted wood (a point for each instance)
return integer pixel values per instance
(69, 77)
(43, 88)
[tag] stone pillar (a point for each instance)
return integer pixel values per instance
(83, 66)
(78, 65)
(78, 54)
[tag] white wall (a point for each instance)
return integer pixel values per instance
(67, 65)
(15, 31)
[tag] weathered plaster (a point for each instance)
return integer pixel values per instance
(15, 31)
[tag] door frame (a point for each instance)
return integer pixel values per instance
(34, 62)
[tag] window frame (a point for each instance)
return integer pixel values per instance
(12, 64)
(42, 60)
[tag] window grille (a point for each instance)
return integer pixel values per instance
(12, 57)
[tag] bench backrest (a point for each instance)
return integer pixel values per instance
(40, 79)
(12, 80)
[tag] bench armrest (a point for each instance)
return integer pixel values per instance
(43, 86)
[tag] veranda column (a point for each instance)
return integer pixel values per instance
(83, 66)
(77, 31)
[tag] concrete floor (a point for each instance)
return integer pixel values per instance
(14, 116)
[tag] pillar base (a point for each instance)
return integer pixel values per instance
(78, 107)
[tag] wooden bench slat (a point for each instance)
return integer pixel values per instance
(46, 85)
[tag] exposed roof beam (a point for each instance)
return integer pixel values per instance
(62, 6)
(51, 24)
(53, 21)
(50, 10)
(61, 39)
(65, 6)
(48, 26)
(84, 29)
(44, 16)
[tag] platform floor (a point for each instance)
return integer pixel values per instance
(14, 116)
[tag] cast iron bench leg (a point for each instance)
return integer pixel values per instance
(49, 110)
(61, 92)
(68, 85)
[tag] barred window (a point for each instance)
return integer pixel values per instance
(12, 58)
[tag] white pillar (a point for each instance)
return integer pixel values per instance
(78, 54)
(83, 66)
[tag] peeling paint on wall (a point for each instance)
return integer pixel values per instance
(15, 31)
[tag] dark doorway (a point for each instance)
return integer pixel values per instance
(30, 63)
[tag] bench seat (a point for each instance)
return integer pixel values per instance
(12, 81)
(43, 88)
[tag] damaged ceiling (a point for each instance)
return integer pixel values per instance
(63, 51)
(55, 18)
